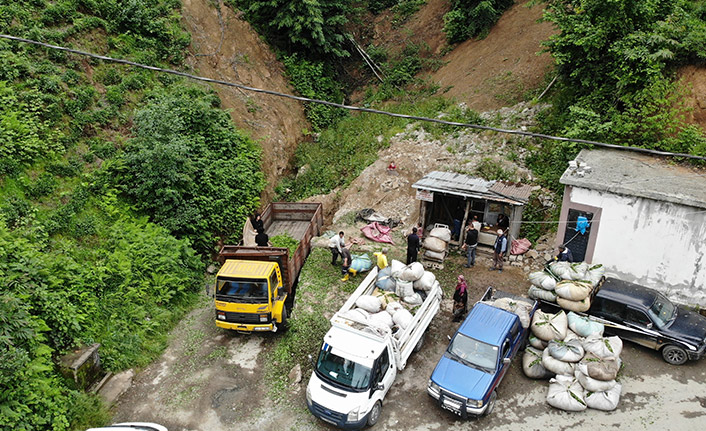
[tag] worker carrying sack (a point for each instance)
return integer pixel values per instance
(547, 326)
(566, 393)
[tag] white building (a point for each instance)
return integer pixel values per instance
(647, 220)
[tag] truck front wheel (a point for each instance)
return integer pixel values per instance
(674, 355)
(283, 325)
(491, 404)
(374, 414)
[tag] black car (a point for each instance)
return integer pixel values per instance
(648, 318)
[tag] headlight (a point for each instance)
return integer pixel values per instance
(353, 415)
(474, 403)
(433, 386)
(264, 317)
(308, 394)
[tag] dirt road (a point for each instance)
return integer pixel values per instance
(212, 380)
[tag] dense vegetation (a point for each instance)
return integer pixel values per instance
(617, 61)
(472, 18)
(114, 182)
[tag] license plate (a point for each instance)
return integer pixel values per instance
(329, 421)
(450, 406)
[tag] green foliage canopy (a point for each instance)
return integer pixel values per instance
(472, 18)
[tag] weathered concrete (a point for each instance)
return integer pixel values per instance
(116, 386)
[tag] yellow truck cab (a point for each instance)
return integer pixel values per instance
(250, 296)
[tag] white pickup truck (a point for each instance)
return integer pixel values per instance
(358, 362)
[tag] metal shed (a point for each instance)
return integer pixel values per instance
(453, 199)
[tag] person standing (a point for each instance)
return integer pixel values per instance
(346, 260)
(381, 258)
(503, 222)
(460, 299)
(499, 250)
(412, 246)
(470, 244)
(257, 222)
(262, 239)
(565, 254)
(335, 244)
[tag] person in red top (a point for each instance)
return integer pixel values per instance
(392, 168)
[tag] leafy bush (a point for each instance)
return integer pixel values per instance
(285, 241)
(189, 168)
(472, 18)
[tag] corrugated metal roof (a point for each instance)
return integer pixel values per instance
(512, 190)
(463, 185)
(630, 173)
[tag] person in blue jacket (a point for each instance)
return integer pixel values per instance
(499, 250)
(564, 254)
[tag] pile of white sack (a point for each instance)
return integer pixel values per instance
(410, 283)
(436, 243)
(581, 364)
(399, 289)
(520, 308)
(567, 284)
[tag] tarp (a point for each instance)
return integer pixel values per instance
(377, 232)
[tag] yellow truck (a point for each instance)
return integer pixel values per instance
(256, 286)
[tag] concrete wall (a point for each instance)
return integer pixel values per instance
(657, 244)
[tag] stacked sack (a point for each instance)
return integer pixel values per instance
(410, 283)
(584, 365)
(567, 284)
(436, 243)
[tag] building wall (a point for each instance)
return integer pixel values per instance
(653, 243)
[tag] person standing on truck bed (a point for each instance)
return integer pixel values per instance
(499, 250)
(257, 222)
(460, 299)
(262, 239)
(412, 246)
(335, 244)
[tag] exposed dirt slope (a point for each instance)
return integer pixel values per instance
(225, 47)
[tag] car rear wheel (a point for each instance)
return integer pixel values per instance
(491, 404)
(374, 414)
(420, 343)
(674, 355)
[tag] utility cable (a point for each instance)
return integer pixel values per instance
(350, 107)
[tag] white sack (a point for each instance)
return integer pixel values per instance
(382, 318)
(566, 351)
(356, 314)
(425, 282)
(561, 269)
(442, 233)
(577, 306)
(573, 290)
(577, 271)
(595, 273)
(547, 326)
(539, 293)
(605, 369)
(404, 288)
(532, 364)
(415, 299)
(593, 385)
(571, 335)
(584, 326)
(520, 308)
(411, 272)
(402, 318)
(607, 400)
(396, 266)
(537, 343)
(603, 347)
(369, 303)
(566, 393)
(435, 255)
(556, 366)
(542, 280)
(434, 244)
(393, 307)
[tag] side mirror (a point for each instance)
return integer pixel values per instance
(379, 387)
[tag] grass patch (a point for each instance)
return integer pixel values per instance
(285, 241)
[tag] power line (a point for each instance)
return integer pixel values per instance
(350, 107)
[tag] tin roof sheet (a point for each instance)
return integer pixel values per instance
(464, 185)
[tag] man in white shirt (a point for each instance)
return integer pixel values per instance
(335, 244)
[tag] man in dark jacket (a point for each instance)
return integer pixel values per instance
(564, 254)
(499, 250)
(470, 244)
(412, 246)
(262, 239)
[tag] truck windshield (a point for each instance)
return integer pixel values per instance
(473, 352)
(343, 372)
(662, 311)
(247, 290)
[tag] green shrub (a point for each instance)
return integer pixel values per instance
(472, 18)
